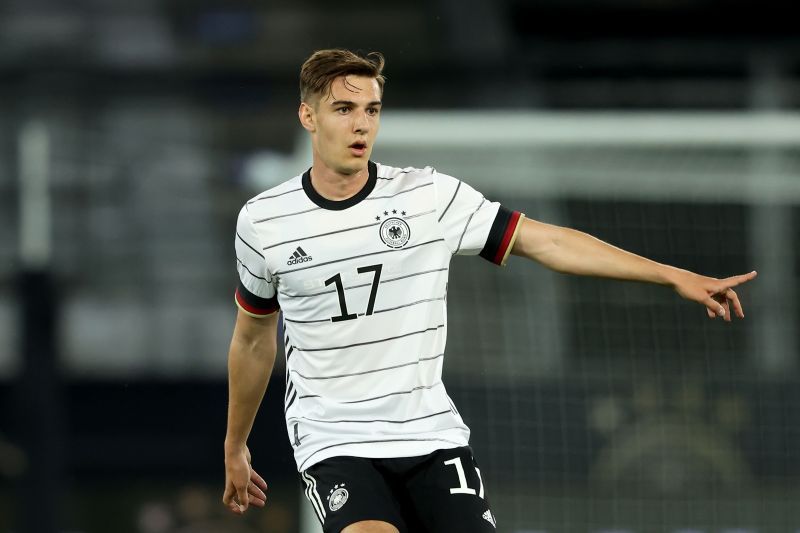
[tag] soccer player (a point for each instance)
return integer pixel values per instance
(356, 255)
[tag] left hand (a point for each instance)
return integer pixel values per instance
(716, 294)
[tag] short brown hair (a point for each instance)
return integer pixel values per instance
(324, 66)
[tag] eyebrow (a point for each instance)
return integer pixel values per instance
(348, 102)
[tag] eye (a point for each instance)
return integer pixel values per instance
(343, 110)
(372, 111)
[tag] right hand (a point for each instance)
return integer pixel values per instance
(243, 485)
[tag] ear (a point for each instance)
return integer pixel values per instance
(307, 117)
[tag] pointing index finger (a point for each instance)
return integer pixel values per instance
(733, 281)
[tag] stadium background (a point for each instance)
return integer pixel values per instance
(666, 127)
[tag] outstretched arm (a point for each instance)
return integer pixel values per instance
(574, 252)
(250, 361)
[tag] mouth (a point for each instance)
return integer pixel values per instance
(358, 148)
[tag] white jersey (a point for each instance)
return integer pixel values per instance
(362, 284)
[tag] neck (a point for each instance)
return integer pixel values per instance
(334, 185)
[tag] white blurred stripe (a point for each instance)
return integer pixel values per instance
(34, 195)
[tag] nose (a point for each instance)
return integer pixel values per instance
(360, 122)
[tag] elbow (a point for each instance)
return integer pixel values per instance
(257, 346)
(264, 347)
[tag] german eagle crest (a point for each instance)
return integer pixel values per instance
(395, 232)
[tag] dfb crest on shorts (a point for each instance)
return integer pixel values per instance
(337, 497)
(395, 232)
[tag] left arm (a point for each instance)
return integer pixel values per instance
(574, 252)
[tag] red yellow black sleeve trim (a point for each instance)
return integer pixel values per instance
(253, 305)
(502, 236)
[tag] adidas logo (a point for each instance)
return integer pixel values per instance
(489, 518)
(299, 256)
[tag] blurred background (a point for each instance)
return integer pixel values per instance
(132, 132)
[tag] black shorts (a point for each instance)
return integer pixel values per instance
(437, 493)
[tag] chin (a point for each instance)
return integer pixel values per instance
(356, 165)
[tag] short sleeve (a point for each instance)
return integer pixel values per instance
(255, 293)
(471, 224)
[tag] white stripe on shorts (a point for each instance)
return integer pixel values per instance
(313, 496)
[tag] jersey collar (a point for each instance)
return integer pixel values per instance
(338, 205)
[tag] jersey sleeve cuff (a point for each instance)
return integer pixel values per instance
(502, 236)
(253, 305)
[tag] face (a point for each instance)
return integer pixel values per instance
(344, 123)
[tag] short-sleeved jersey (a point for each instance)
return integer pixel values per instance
(362, 285)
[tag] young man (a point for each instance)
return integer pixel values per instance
(356, 256)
